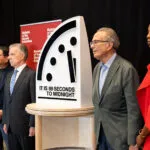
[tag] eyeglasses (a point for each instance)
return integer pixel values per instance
(97, 41)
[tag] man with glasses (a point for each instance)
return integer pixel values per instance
(115, 82)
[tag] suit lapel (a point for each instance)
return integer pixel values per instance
(97, 81)
(112, 70)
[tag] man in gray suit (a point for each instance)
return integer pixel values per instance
(115, 80)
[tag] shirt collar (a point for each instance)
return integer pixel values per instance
(20, 68)
(110, 61)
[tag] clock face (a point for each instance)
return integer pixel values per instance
(60, 63)
(59, 69)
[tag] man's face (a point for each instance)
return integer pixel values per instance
(16, 57)
(99, 45)
(148, 36)
(3, 59)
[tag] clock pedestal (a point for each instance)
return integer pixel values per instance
(71, 128)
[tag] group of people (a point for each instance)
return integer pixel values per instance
(17, 89)
(120, 104)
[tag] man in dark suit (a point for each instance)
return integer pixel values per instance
(17, 123)
(115, 80)
(4, 69)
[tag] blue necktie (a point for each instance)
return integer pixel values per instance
(12, 82)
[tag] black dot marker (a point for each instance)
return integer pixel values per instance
(49, 77)
(73, 41)
(61, 48)
(53, 61)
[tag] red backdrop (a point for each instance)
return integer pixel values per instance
(34, 36)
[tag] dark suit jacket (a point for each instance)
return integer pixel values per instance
(117, 108)
(14, 114)
(2, 82)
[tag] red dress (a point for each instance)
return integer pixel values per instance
(143, 95)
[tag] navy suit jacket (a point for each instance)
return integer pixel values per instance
(14, 114)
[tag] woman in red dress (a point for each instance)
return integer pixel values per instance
(143, 95)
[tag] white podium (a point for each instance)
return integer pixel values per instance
(63, 128)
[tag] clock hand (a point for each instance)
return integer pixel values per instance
(71, 66)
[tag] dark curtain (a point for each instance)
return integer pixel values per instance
(129, 18)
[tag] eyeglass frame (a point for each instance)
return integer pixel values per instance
(97, 41)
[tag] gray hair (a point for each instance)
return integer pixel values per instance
(111, 36)
(22, 48)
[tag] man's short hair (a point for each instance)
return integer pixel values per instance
(22, 48)
(5, 50)
(111, 36)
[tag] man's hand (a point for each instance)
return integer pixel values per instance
(132, 147)
(1, 113)
(31, 131)
(5, 128)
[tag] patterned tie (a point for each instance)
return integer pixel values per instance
(12, 82)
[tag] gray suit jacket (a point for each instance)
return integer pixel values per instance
(117, 108)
